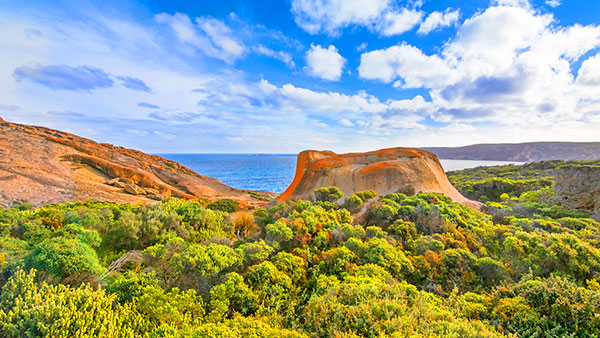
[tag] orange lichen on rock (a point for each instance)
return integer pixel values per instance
(384, 171)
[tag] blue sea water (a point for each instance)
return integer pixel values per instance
(266, 172)
(270, 172)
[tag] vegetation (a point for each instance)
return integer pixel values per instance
(414, 266)
(488, 183)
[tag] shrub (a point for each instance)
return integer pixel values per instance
(353, 203)
(551, 304)
(244, 327)
(231, 296)
(177, 308)
(328, 194)
(279, 231)
(29, 310)
(366, 195)
(255, 252)
(62, 257)
(130, 285)
(225, 205)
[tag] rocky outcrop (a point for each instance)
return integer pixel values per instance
(578, 187)
(41, 165)
(384, 171)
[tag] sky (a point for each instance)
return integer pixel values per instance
(271, 76)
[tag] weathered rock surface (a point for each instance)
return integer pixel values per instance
(41, 165)
(578, 187)
(384, 171)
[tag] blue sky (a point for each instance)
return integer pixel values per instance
(236, 76)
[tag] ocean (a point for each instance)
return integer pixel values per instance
(271, 172)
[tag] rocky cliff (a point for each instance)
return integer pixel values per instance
(41, 165)
(384, 171)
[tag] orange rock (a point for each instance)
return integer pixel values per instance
(384, 171)
(41, 165)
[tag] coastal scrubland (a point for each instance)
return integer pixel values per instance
(398, 265)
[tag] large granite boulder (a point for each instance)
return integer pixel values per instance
(384, 171)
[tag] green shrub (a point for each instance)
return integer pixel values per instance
(225, 205)
(63, 258)
(366, 195)
(29, 310)
(328, 194)
(353, 203)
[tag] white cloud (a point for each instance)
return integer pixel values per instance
(221, 36)
(589, 73)
(509, 74)
(209, 35)
(437, 20)
(282, 56)
(395, 23)
(362, 47)
(553, 3)
(324, 63)
(331, 16)
(508, 65)
(368, 111)
(346, 123)
(512, 3)
(408, 63)
(299, 99)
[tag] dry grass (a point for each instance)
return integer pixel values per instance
(243, 224)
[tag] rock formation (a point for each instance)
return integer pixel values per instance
(578, 187)
(41, 165)
(384, 171)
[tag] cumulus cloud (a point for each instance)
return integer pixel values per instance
(324, 63)
(208, 35)
(395, 23)
(366, 109)
(64, 77)
(332, 16)
(589, 73)
(507, 64)
(329, 16)
(437, 20)
(553, 3)
(413, 68)
(290, 98)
